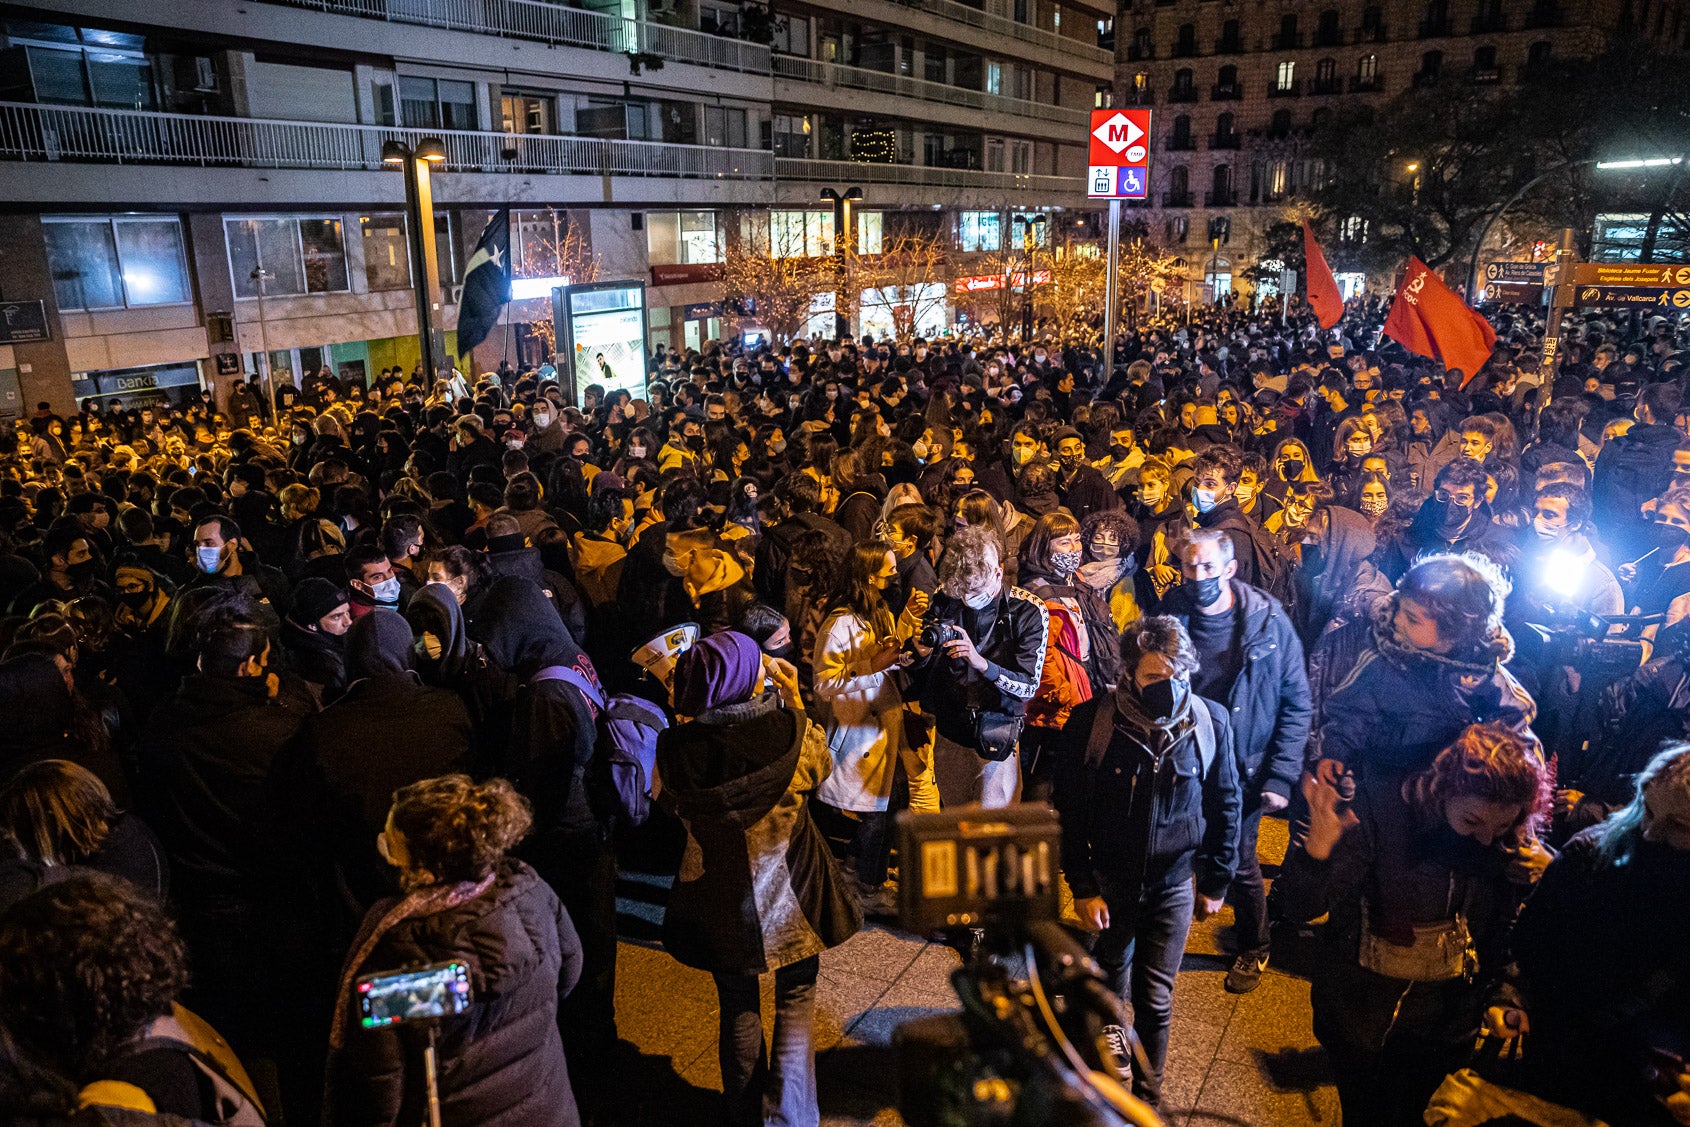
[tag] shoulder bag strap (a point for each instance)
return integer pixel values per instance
(1102, 728)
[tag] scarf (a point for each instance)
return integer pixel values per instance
(1101, 575)
(434, 899)
(1129, 711)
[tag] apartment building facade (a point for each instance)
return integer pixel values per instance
(195, 192)
(1238, 87)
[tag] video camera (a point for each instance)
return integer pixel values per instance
(1585, 641)
(1028, 1047)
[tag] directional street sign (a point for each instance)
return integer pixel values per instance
(1632, 297)
(1514, 293)
(1118, 165)
(1516, 272)
(1630, 274)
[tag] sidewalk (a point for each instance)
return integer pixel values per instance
(1247, 1059)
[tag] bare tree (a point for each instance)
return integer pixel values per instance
(555, 247)
(769, 278)
(907, 280)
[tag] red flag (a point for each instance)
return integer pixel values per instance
(1322, 287)
(1430, 319)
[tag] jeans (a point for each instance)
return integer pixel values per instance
(872, 846)
(1248, 894)
(965, 777)
(764, 1087)
(1140, 953)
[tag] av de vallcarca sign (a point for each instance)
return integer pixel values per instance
(1119, 155)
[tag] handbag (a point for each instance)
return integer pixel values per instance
(995, 733)
(1441, 951)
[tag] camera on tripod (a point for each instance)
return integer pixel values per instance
(1028, 1047)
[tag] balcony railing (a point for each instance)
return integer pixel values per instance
(1434, 29)
(1176, 199)
(1489, 22)
(555, 24)
(1177, 94)
(76, 134)
(1002, 25)
(1226, 140)
(1183, 49)
(1287, 40)
(1286, 90)
(1326, 86)
(1372, 84)
(1544, 15)
(863, 78)
(1227, 92)
(1178, 144)
(1232, 46)
(1486, 76)
(851, 172)
(1221, 199)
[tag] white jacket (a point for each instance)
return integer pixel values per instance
(864, 714)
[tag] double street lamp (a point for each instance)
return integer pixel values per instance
(841, 202)
(419, 222)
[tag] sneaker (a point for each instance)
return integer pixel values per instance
(1246, 973)
(1115, 1038)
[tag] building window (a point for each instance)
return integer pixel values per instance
(110, 70)
(800, 234)
(1539, 53)
(792, 134)
(994, 78)
(1181, 138)
(1179, 228)
(1367, 69)
(1183, 83)
(1353, 230)
(1287, 75)
(980, 230)
(792, 35)
(1431, 65)
(1326, 71)
(1103, 98)
(430, 103)
(1220, 230)
(281, 255)
(684, 237)
(1179, 181)
(1021, 157)
(116, 263)
(387, 259)
(994, 154)
(526, 113)
(724, 127)
(869, 232)
(1280, 126)
(718, 19)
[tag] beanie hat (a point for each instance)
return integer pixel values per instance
(314, 598)
(724, 668)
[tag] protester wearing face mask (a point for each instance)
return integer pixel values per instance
(1249, 658)
(371, 581)
(1150, 818)
(1455, 518)
(1214, 489)
(1080, 658)
(314, 635)
(977, 680)
(1025, 447)
(1290, 462)
(1421, 877)
(219, 559)
(855, 663)
(1082, 489)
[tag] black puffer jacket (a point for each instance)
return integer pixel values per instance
(501, 1061)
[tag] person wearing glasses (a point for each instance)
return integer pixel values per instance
(1455, 518)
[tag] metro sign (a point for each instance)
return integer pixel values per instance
(1119, 136)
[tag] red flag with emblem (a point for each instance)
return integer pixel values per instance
(1430, 319)
(1324, 298)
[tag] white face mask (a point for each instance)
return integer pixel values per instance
(981, 601)
(636, 451)
(1546, 533)
(387, 591)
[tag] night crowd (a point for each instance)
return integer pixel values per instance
(301, 688)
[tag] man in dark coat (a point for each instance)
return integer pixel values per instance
(801, 495)
(1150, 819)
(204, 765)
(1635, 467)
(1083, 489)
(343, 791)
(1455, 518)
(553, 736)
(1249, 659)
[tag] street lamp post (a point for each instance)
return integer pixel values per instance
(1029, 244)
(419, 221)
(841, 202)
(261, 275)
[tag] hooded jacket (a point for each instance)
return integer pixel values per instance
(511, 556)
(1423, 537)
(38, 710)
(1269, 703)
(337, 786)
(319, 659)
(1631, 469)
(1400, 706)
(757, 889)
(552, 725)
(1331, 569)
(1145, 812)
(501, 1061)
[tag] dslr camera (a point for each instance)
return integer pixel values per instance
(937, 634)
(1029, 1046)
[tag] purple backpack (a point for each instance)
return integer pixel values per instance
(625, 748)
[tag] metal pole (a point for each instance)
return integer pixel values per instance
(1484, 232)
(425, 284)
(1111, 291)
(431, 1079)
(1560, 299)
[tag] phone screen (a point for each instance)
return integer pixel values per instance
(413, 995)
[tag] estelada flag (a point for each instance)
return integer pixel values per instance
(1324, 298)
(1430, 319)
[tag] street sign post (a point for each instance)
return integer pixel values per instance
(1118, 168)
(1560, 300)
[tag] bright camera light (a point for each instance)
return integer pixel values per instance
(1563, 573)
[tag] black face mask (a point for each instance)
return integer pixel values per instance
(1161, 698)
(695, 442)
(1293, 469)
(80, 572)
(1208, 591)
(1451, 518)
(135, 600)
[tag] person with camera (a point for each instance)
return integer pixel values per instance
(1602, 987)
(758, 890)
(1150, 818)
(978, 659)
(502, 1059)
(1250, 660)
(1421, 876)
